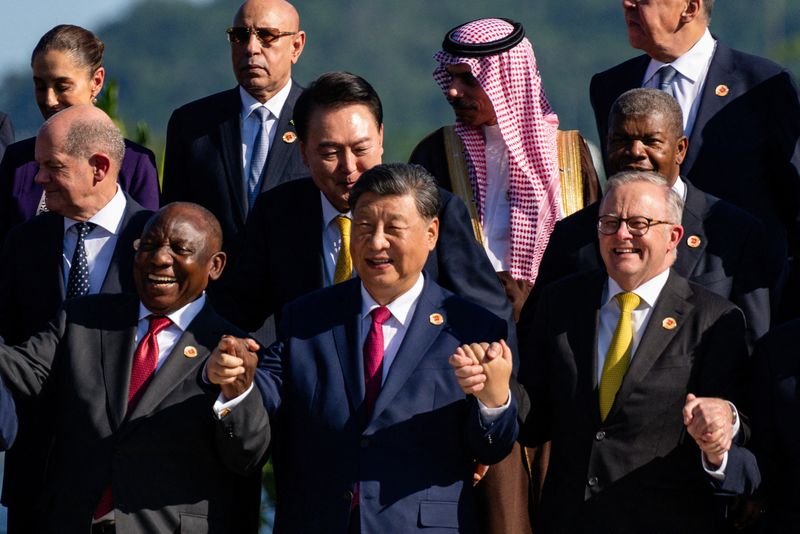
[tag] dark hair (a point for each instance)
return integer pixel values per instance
(210, 224)
(84, 46)
(400, 179)
(332, 91)
(645, 102)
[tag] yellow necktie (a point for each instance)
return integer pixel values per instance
(344, 263)
(618, 357)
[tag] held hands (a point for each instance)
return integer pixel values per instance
(484, 370)
(232, 365)
(709, 422)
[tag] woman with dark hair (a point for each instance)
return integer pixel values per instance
(67, 66)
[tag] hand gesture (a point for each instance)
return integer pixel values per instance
(232, 365)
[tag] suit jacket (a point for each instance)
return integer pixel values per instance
(8, 417)
(736, 257)
(639, 471)
(776, 399)
(31, 292)
(413, 459)
(6, 132)
(744, 147)
(20, 195)
(203, 159)
(172, 465)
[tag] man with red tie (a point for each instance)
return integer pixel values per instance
(372, 432)
(136, 445)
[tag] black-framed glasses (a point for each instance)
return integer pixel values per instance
(266, 36)
(638, 226)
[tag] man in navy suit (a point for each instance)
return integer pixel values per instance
(79, 152)
(371, 429)
(741, 113)
(222, 150)
(724, 249)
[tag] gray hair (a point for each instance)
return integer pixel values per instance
(646, 102)
(400, 179)
(674, 202)
(86, 137)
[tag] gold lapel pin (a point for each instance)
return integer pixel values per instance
(693, 241)
(436, 319)
(669, 323)
(722, 90)
(190, 352)
(289, 137)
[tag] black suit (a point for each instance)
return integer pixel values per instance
(6, 133)
(744, 146)
(736, 258)
(283, 257)
(173, 466)
(203, 158)
(776, 433)
(639, 471)
(31, 292)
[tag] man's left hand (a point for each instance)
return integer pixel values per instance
(709, 421)
(232, 365)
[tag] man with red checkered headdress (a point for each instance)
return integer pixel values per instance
(518, 174)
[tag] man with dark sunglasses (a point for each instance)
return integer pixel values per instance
(224, 149)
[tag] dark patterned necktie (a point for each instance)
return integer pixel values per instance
(78, 279)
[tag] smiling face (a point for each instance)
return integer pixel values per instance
(60, 81)
(176, 258)
(633, 260)
(264, 70)
(645, 143)
(390, 243)
(341, 144)
(470, 102)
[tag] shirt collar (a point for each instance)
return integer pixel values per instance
(109, 217)
(329, 213)
(274, 105)
(680, 187)
(181, 317)
(691, 64)
(401, 307)
(647, 292)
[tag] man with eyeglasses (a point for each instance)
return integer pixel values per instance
(627, 372)
(224, 149)
(724, 249)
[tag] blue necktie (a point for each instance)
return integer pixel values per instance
(78, 279)
(259, 157)
(665, 77)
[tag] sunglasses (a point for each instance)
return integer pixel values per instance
(265, 36)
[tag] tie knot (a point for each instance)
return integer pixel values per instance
(261, 113)
(83, 228)
(627, 301)
(666, 75)
(158, 323)
(344, 224)
(380, 315)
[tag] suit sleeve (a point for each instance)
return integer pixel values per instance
(8, 418)
(243, 435)
(25, 368)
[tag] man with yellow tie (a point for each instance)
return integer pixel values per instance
(629, 374)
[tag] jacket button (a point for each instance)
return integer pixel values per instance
(600, 436)
(592, 481)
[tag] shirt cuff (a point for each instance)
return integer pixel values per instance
(490, 415)
(222, 407)
(736, 421)
(718, 473)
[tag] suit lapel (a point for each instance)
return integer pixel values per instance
(278, 156)
(582, 338)
(692, 221)
(122, 257)
(117, 343)
(231, 149)
(346, 337)
(53, 247)
(672, 303)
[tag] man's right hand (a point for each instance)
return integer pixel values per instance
(232, 365)
(484, 370)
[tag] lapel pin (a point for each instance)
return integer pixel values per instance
(693, 241)
(190, 352)
(669, 323)
(289, 137)
(436, 319)
(722, 90)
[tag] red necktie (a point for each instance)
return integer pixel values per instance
(373, 357)
(145, 360)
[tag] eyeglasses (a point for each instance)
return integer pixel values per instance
(638, 226)
(265, 36)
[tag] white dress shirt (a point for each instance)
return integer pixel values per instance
(497, 211)
(99, 243)
(687, 86)
(251, 124)
(331, 238)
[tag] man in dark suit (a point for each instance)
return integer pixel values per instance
(724, 249)
(79, 154)
(612, 364)
(6, 132)
(734, 151)
(405, 437)
(293, 241)
(224, 149)
(137, 447)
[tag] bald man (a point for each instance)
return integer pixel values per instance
(224, 149)
(82, 245)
